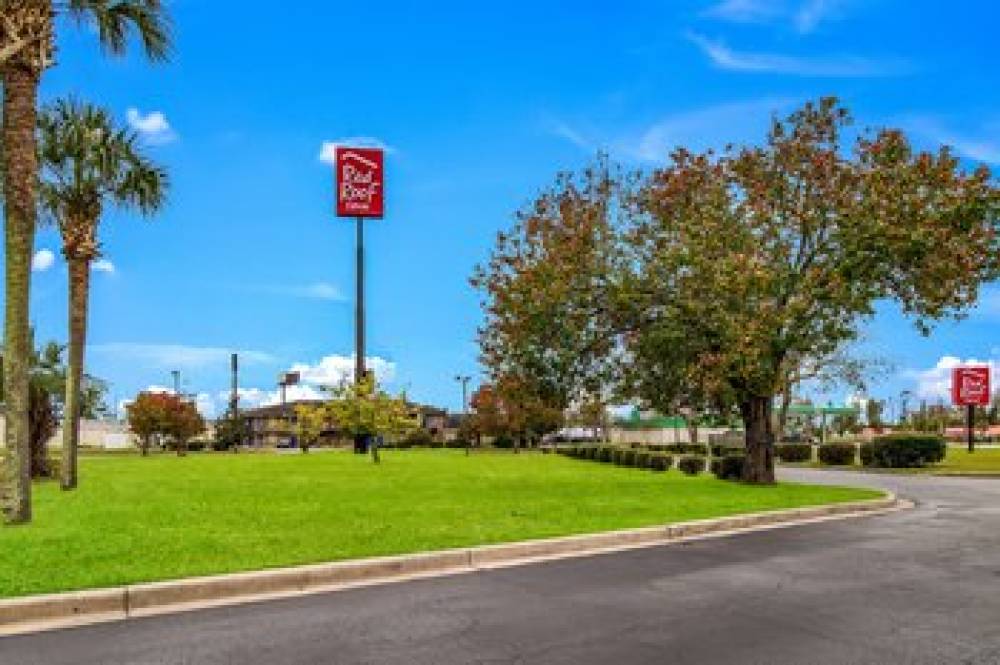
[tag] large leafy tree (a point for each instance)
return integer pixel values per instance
(547, 291)
(742, 265)
(27, 47)
(760, 257)
(166, 418)
(88, 163)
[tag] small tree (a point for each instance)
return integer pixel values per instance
(363, 409)
(310, 423)
(147, 416)
(231, 431)
(164, 417)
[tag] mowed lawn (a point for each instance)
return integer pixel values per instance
(960, 461)
(163, 517)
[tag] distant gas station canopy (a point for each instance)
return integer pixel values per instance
(360, 182)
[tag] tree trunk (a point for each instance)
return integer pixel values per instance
(759, 466)
(20, 170)
(79, 287)
(144, 446)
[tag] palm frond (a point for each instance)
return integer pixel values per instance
(116, 20)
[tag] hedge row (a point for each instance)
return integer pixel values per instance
(688, 448)
(633, 457)
(793, 452)
(904, 451)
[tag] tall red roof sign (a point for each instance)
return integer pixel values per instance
(360, 182)
(970, 386)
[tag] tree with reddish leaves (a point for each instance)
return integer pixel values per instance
(164, 417)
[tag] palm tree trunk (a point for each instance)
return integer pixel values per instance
(79, 288)
(20, 170)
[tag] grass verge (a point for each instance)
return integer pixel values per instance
(135, 519)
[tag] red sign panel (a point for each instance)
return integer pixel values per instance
(970, 385)
(360, 180)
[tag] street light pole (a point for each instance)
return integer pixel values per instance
(464, 380)
(177, 381)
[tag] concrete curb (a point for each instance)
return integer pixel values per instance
(39, 613)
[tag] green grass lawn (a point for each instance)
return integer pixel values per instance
(163, 517)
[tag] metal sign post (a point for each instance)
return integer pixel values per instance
(360, 194)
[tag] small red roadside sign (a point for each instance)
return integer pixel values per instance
(970, 386)
(360, 182)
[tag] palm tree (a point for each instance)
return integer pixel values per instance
(27, 45)
(86, 163)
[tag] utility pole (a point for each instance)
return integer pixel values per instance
(234, 394)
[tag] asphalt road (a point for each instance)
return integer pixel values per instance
(919, 586)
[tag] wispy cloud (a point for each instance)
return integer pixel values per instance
(803, 16)
(745, 11)
(835, 66)
(328, 151)
(177, 356)
(982, 143)
(42, 260)
(315, 291)
(152, 126)
(564, 131)
(703, 128)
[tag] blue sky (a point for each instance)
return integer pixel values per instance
(480, 104)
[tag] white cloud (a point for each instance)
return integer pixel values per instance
(744, 11)
(152, 126)
(316, 290)
(43, 260)
(104, 265)
(803, 16)
(703, 128)
(328, 151)
(981, 144)
(935, 383)
(837, 66)
(335, 369)
(564, 131)
(178, 356)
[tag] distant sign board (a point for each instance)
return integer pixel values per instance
(970, 386)
(360, 182)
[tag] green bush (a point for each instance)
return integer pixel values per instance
(729, 467)
(660, 461)
(618, 455)
(418, 437)
(503, 441)
(719, 450)
(687, 448)
(628, 457)
(643, 459)
(458, 444)
(592, 452)
(793, 452)
(604, 453)
(838, 454)
(691, 465)
(904, 451)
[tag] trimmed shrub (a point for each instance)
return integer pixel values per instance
(618, 456)
(503, 441)
(437, 443)
(644, 459)
(867, 453)
(591, 452)
(660, 461)
(719, 450)
(729, 467)
(904, 451)
(418, 437)
(458, 444)
(687, 448)
(793, 452)
(691, 465)
(628, 457)
(838, 454)
(604, 453)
